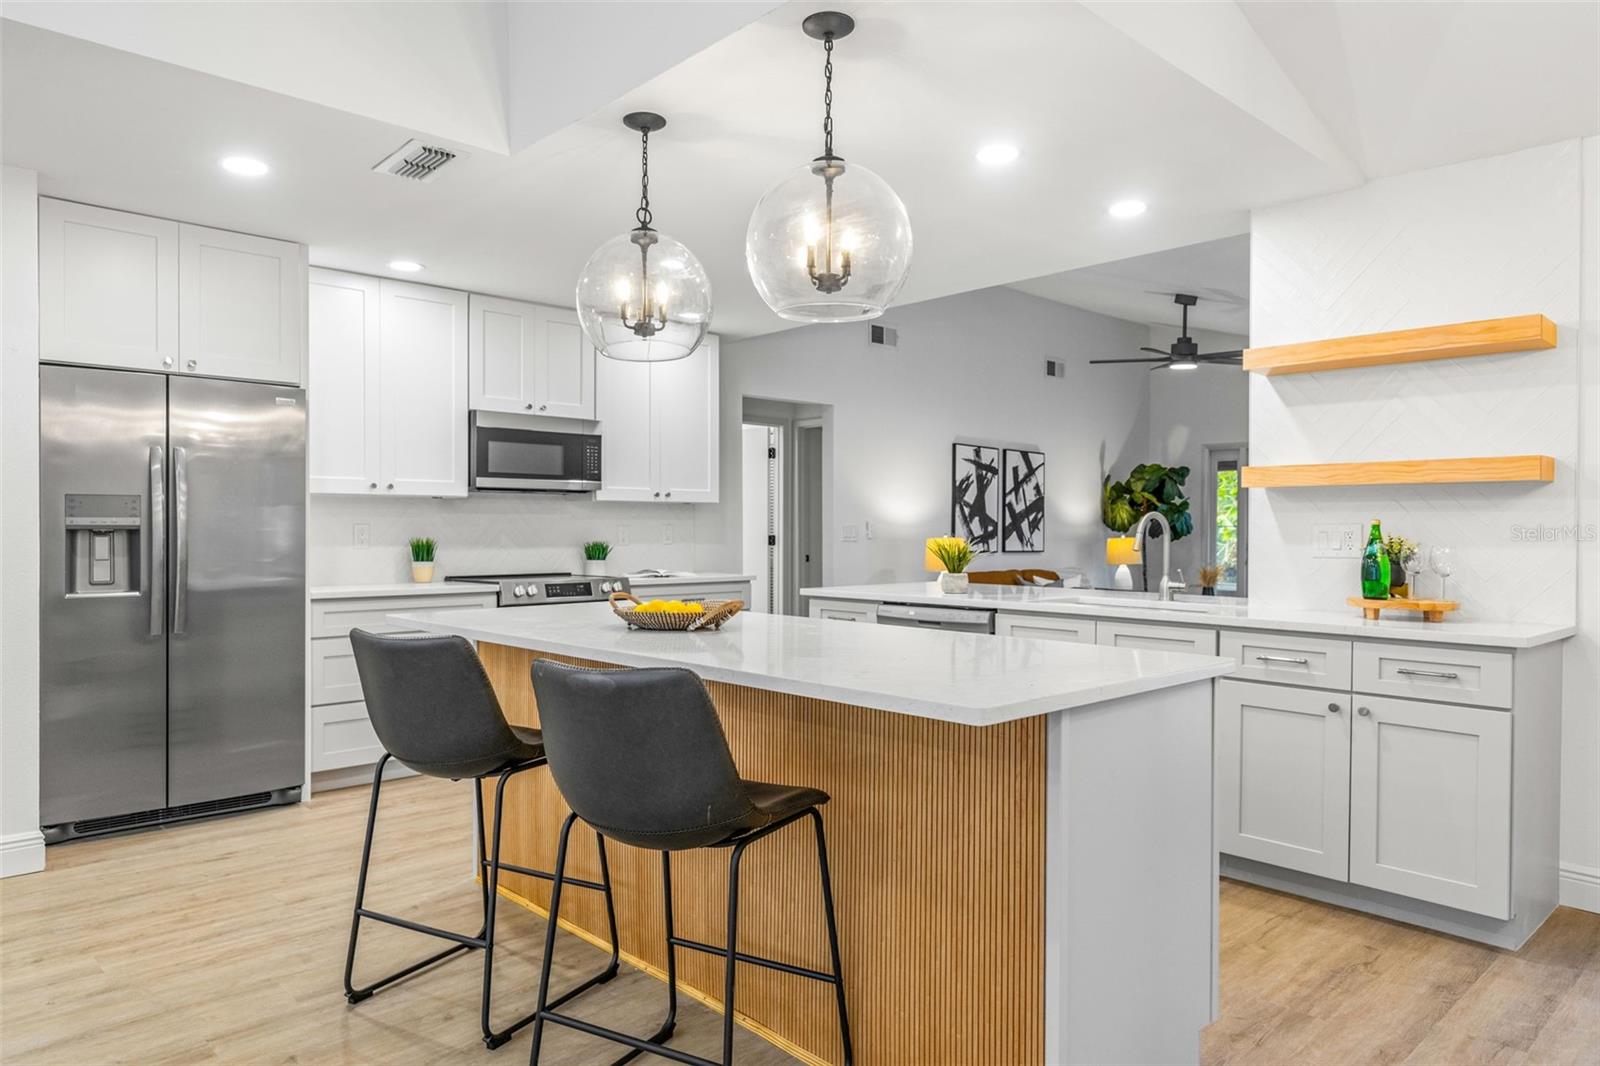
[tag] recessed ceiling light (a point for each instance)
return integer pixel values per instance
(405, 266)
(243, 166)
(1127, 209)
(997, 155)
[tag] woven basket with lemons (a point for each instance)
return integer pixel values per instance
(675, 615)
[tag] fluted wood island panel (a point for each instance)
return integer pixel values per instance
(936, 839)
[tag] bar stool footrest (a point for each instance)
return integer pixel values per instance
(756, 960)
(654, 1044)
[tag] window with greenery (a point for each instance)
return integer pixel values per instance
(1225, 522)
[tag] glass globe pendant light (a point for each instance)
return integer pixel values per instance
(643, 297)
(831, 242)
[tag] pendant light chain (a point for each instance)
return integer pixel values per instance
(643, 214)
(827, 98)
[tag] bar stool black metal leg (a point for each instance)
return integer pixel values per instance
(731, 954)
(550, 940)
(351, 993)
(483, 854)
(611, 912)
(833, 936)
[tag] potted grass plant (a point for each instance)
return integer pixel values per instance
(955, 555)
(1209, 575)
(595, 554)
(422, 549)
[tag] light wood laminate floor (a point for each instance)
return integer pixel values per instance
(224, 942)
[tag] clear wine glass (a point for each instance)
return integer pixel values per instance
(1441, 562)
(1411, 564)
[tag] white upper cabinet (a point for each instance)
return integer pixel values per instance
(108, 287)
(530, 359)
(422, 390)
(241, 305)
(342, 310)
(660, 428)
(388, 387)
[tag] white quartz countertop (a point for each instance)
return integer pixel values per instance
(971, 679)
(685, 578)
(1205, 611)
(406, 588)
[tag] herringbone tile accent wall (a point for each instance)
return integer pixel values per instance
(1475, 240)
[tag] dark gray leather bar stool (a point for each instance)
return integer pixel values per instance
(433, 709)
(640, 756)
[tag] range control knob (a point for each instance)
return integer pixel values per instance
(520, 591)
(605, 586)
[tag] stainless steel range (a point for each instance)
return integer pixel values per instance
(528, 590)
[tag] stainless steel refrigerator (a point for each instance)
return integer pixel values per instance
(172, 651)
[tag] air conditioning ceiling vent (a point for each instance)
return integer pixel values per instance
(416, 161)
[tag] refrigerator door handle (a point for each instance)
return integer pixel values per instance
(180, 540)
(158, 541)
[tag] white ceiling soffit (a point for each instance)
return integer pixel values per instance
(486, 74)
(1140, 288)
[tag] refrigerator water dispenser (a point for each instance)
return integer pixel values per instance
(103, 544)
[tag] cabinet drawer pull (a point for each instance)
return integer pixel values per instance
(1448, 675)
(1363, 712)
(1282, 659)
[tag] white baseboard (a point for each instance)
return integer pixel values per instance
(21, 853)
(1580, 887)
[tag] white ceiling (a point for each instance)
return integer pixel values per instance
(1140, 289)
(1105, 101)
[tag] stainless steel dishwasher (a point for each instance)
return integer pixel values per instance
(951, 619)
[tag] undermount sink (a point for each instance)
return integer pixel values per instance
(1147, 604)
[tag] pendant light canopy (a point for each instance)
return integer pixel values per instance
(831, 242)
(643, 297)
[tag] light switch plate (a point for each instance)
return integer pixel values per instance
(850, 533)
(1336, 540)
(666, 533)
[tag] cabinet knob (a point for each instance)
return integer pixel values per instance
(1363, 712)
(373, 485)
(1334, 707)
(658, 495)
(543, 406)
(390, 485)
(193, 363)
(669, 495)
(527, 407)
(167, 361)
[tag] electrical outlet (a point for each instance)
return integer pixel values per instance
(666, 533)
(362, 535)
(1335, 540)
(622, 534)
(866, 528)
(849, 534)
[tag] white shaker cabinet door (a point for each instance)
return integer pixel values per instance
(1430, 803)
(501, 340)
(563, 382)
(1283, 776)
(627, 458)
(1194, 639)
(240, 306)
(108, 287)
(342, 313)
(422, 381)
(686, 414)
(1067, 630)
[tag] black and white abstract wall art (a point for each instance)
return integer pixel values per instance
(975, 496)
(1022, 501)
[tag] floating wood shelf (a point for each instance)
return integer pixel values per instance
(1403, 472)
(1491, 336)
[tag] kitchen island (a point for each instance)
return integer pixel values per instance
(1020, 833)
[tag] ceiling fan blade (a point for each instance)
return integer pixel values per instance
(1158, 351)
(1128, 360)
(1237, 353)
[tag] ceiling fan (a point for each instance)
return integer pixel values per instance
(1185, 353)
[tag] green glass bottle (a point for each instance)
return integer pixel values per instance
(1375, 566)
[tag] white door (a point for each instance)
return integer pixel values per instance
(501, 339)
(627, 459)
(241, 303)
(108, 287)
(1283, 776)
(342, 320)
(422, 382)
(563, 381)
(686, 413)
(1430, 803)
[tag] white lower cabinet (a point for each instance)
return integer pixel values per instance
(1430, 803)
(1045, 627)
(844, 611)
(1283, 776)
(1196, 639)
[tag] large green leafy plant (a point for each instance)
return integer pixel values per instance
(1148, 487)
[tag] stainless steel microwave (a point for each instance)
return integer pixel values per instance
(505, 456)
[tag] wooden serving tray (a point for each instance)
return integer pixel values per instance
(1432, 610)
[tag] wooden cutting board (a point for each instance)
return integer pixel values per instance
(1432, 610)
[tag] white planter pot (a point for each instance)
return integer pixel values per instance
(595, 567)
(949, 582)
(422, 573)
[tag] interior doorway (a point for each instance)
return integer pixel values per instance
(784, 472)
